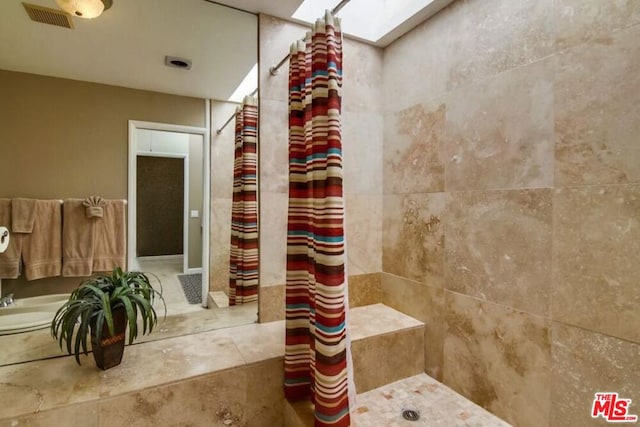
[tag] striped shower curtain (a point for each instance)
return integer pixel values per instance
(317, 357)
(243, 262)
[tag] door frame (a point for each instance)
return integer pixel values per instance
(205, 132)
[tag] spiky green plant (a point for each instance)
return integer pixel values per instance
(94, 301)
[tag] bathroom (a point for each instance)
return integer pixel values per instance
(491, 189)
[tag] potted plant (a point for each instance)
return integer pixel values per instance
(103, 306)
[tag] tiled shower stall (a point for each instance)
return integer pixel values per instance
(491, 171)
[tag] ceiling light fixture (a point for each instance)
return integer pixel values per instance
(87, 9)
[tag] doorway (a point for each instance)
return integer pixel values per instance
(160, 218)
(168, 226)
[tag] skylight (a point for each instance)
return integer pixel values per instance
(248, 85)
(366, 19)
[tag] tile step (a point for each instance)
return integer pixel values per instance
(386, 346)
(378, 332)
(218, 299)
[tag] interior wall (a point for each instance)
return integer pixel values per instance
(222, 157)
(64, 139)
(159, 210)
(512, 201)
(362, 160)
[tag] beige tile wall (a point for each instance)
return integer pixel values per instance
(362, 157)
(499, 176)
(511, 208)
(250, 395)
(222, 152)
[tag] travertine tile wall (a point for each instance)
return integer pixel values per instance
(362, 151)
(222, 152)
(511, 213)
(165, 383)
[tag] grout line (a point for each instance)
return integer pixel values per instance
(604, 334)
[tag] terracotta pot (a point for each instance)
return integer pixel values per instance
(108, 352)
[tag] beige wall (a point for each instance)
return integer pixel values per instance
(63, 138)
(362, 152)
(512, 201)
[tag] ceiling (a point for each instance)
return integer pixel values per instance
(127, 44)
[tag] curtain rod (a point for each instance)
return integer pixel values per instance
(219, 131)
(274, 68)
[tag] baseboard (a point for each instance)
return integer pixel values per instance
(194, 270)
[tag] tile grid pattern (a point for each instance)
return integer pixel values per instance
(436, 404)
(222, 172)
(177, 382)
(362, 158)
(511, 201)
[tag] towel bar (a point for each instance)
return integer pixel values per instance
(62, 201)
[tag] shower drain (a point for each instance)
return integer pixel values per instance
(410, 415)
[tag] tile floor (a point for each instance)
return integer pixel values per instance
(167, 271)
(436, 403)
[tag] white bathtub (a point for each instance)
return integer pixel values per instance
(30, 314)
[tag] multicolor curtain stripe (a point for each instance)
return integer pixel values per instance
(316, 358)
(243, 263)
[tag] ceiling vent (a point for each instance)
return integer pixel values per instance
(175, 62)
(45, 15)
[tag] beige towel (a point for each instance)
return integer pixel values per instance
(9, 260)
(77, 240)
(109, 239)
(94, 207)
(23, 214)
(42, 248)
